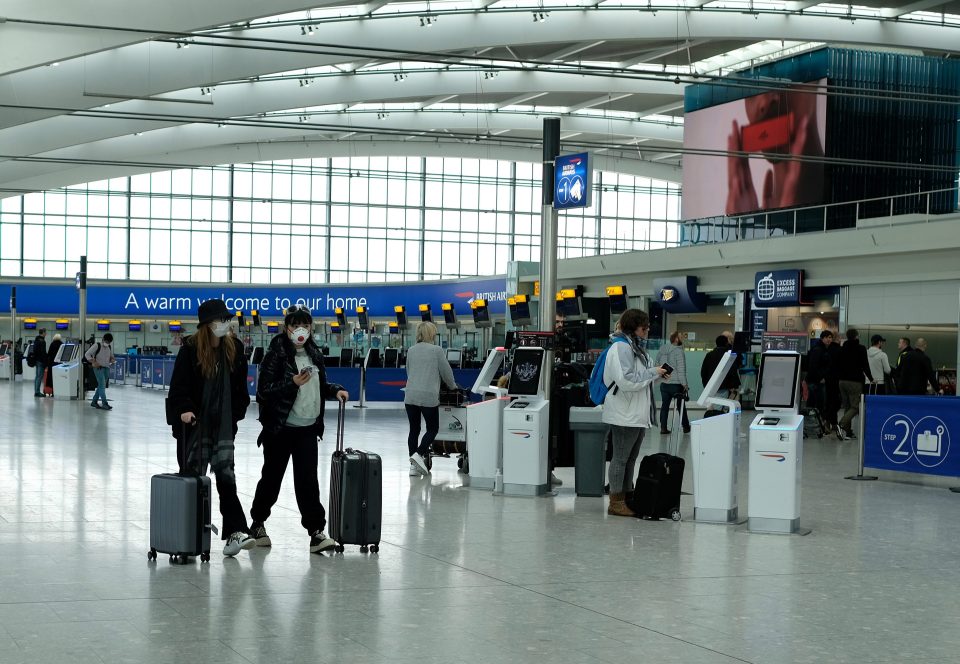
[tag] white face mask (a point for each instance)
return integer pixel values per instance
(299, 335)
(222, 328)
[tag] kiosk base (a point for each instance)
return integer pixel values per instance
(525, 489)
(730, 517)
(776, 526)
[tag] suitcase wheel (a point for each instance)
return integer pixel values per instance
(152, 554)
(338, 548)
(675, 515)
(374, 548)
(363, 549)
(205, 557)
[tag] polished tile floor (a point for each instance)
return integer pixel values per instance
(462, 576)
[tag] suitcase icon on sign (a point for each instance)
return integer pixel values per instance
(930, 444)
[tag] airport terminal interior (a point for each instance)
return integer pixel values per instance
(766, 191)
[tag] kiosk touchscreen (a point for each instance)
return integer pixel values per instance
(776, 446)
(67, 372)
(485, 424)
(714, 444)
(68, 353)
(6, 363)
(526, 424)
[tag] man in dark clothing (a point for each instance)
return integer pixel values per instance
(916, 371)
(818, 364)
(852, 371)
(39, 354)
(731, 383)
(903, 347)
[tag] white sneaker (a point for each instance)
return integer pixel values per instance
(319, 543)
(238, 542)
(413, 469)
(420, 464)
(554, 480)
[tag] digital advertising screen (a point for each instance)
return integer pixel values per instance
(783, 131)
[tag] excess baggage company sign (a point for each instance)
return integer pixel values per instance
(778, 288)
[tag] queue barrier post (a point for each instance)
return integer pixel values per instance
(860, 477)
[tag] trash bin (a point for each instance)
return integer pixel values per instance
(590, 449)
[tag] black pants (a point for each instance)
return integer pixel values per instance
(668, 392)
(431, 415)
(231, 511)
(832, 402)
(301, 444)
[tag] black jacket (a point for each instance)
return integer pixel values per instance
(853, 365)
(818, 364)
(52, 351)
(710, 363)
(276, 391)
(916, 372)
(187, 381)
(40, 350)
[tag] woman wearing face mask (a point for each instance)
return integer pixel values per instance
(291, 391)
(208, 390)
(628, 406)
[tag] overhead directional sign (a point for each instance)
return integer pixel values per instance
(572, 181)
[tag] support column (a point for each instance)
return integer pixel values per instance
(548, 241)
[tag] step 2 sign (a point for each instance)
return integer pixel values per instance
(572, 181)
(912, 434)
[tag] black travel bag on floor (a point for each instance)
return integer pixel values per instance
(356, 494)
(180, 514)
(656, 493)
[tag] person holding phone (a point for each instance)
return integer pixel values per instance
(628, 406)
(292, 393)
(674, 384)
(208, 397)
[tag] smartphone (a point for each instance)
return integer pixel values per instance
(771, 135)
(666, 367)
(308, 370)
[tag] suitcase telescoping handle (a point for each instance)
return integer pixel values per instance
(341, 410)
(186, 441)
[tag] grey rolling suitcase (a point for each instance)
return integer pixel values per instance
(180, 523)
(356, 494)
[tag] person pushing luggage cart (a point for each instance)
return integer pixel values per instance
(291, 392)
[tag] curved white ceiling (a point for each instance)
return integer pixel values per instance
(479, 81)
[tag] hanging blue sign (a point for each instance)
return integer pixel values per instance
(912, 434)
(572, 181)
(778, 288)
(167, 300)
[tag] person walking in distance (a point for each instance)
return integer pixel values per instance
(675, 384)
(100, 356)
(916, 372)
(208, 391)
(292, 393)
(426, 366)
(853, 371)
(628, 407)
(879, 365)
(39, 354)
(51, 360)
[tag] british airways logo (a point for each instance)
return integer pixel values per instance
(774, 455)
(522, 434)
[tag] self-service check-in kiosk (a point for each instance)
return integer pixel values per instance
(485, 425)
(715, 443)
(776, 447)
(68, 373)
(526, 426)
(6, 362)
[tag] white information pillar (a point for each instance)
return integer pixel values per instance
(526, 426)
(776, 447)
(715, 444)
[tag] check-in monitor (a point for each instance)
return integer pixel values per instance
(67, 353)
(526, 372)
(391, 357)
(454, 357)
(3, 349)
(346, 357)
(372, 360)
(723, 368)
(484, 382)
(778, 381)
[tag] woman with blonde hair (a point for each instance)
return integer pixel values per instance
(426, 366)
(208, 396)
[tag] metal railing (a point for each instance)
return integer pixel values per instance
(817, 218)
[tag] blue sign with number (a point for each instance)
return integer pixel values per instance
(912, 434)
(778, 288)
(572, 181)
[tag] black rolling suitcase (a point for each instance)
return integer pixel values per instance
(180, 523)
(356, 494)
(656, 493)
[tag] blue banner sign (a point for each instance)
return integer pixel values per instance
(679, 295)
(912, 434)
(572, 181)
(778, 288)
(167, 300)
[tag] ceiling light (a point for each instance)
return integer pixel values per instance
(56, 64)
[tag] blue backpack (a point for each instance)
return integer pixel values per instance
(598, 388)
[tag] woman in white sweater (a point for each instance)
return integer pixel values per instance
(426, 366)
(628, 406)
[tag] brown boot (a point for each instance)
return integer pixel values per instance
(618, 507)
